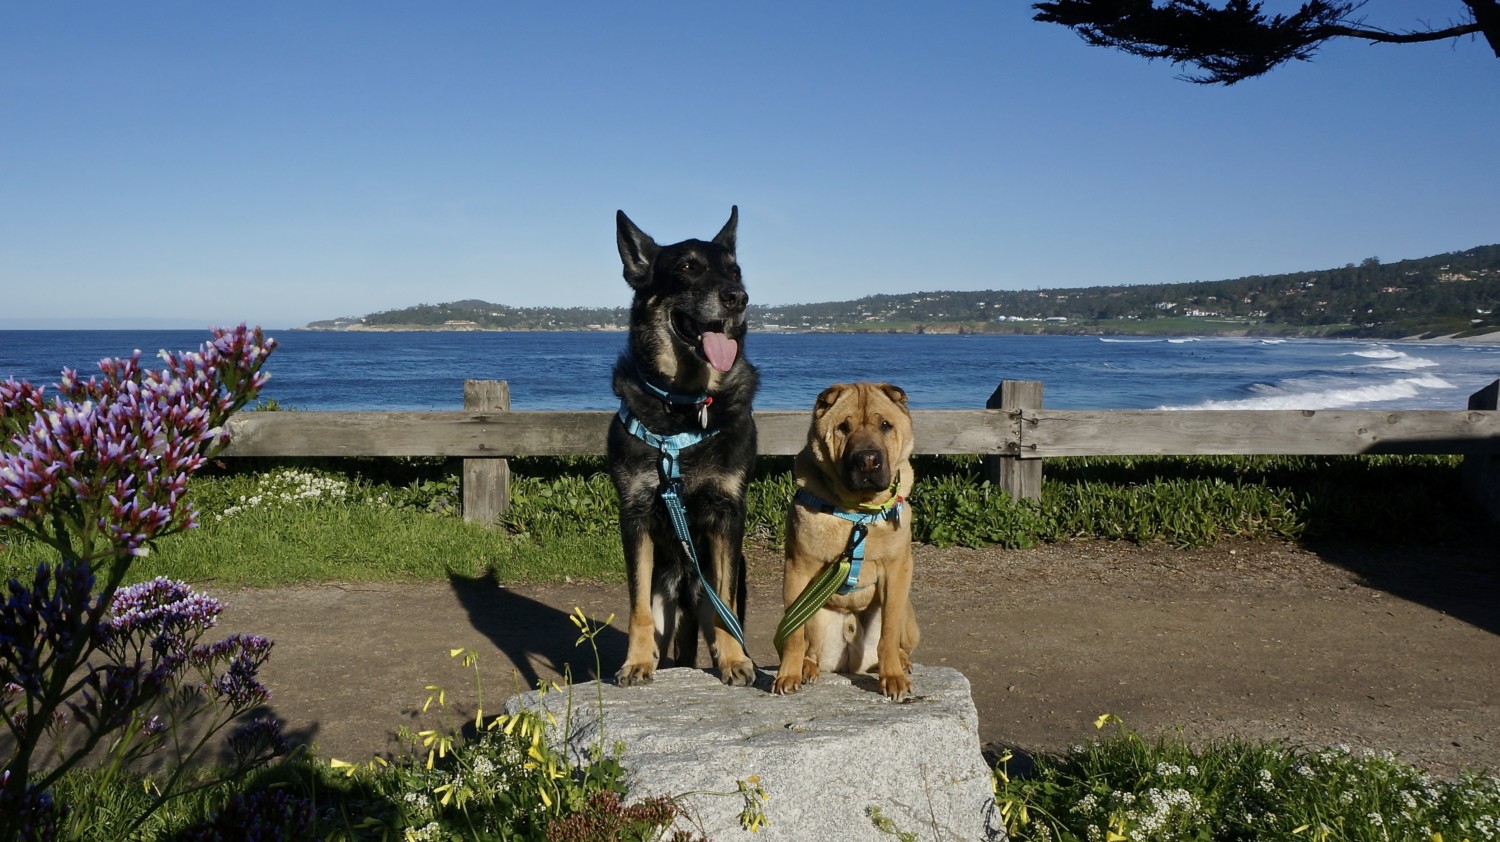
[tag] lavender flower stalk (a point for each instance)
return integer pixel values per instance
(98, 472)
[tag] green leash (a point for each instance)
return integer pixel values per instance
(813, 597)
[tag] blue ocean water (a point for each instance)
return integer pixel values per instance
(425, 370)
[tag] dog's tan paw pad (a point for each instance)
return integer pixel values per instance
(741, 674)
(895, 687)
(634, 675)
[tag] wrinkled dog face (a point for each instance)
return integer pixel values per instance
(690, 293)
(861, 432)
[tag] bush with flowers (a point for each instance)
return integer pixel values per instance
(88, 668)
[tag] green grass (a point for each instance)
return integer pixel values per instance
(367, 521)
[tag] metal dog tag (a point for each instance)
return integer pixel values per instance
(703, 416)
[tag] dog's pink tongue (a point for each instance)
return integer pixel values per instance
(720, 350)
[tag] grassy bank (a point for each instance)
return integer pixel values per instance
(383, 520)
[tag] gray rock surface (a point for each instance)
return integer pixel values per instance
(829, 758)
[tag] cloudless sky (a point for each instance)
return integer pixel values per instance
(187, 164)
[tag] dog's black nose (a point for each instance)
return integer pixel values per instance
(868, 461)
(734, 299)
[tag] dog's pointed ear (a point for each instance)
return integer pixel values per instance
(827, 399)
(726, 235)
(895, 393)
(637, 250)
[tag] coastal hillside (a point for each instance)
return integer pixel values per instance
(1442, 295)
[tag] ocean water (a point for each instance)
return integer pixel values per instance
(570, 371)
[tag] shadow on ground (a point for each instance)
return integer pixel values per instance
(1458, 580)
(538, 638)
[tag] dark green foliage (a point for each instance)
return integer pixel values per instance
(273, 815)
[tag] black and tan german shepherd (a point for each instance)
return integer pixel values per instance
(683, 373)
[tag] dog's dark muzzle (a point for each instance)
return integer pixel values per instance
(867, 469)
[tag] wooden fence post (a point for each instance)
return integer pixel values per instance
(1481, 471)
(486, 482)
(1019, 477)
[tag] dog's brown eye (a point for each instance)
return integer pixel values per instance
(687, 267)
(844, 427)
(886, 426)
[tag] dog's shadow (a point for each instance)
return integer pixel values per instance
(538, 639)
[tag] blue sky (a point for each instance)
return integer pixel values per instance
(188, 164)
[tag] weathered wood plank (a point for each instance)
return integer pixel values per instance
(980, 431)
(485, 483)
(1043, 433)
(536, 433)
(1297, 432)
(1019, 479)
(465, 434)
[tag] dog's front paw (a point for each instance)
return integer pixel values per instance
(738, 674)
(635, 675)
(789, 680)
(785, 685)
(895, 686)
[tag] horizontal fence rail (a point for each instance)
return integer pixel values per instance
(1032, 434)
(1016, 435)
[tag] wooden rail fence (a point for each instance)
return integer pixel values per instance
(1014, 432)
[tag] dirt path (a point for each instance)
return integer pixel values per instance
(1395, 650)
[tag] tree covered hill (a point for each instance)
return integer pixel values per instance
(1439, 295)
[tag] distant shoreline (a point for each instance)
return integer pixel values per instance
(946, 329)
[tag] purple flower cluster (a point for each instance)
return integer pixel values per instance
(53, 616)
(111, 455)
(243, 655)
(168, 613)
(261, 737)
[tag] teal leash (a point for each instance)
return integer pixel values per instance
(670, 448)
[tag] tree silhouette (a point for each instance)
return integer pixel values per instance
(1236, 40)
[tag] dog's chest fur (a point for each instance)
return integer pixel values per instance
(810, 534)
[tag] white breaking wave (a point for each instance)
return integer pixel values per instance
(1328, 395)
(1377, 353)
(1130, 341)
(1406, 363)
(1392, 359)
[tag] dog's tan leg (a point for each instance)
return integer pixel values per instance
(798, 666)
(909, 639)
(642, 653)
(863, 646)
(827, 645)
(735, 666)
(895, 601)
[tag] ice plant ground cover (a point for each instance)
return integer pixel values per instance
(1124, 788)
(97, 474)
